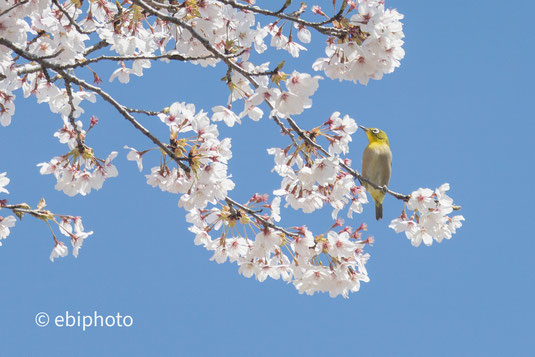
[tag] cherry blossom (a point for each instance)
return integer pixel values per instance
(4, 181)
(376, 50)
(136, 156)
(5, 224)
(430, 220)
(60, 250)
(225, 114)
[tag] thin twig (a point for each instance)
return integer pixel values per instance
(13, 7)
(253, 213)
(318, 26)
(71, 20)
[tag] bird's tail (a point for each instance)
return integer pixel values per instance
(379, 211)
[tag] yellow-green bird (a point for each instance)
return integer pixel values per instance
(377, 165)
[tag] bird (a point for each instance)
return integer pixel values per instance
(376, 166)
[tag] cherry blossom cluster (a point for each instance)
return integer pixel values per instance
(59, 99)
(293, 101)
(203, 177)
(429, 220)
(78, 171)
(309, 179)
(57, 34)
(333, 262)
(65, 223)
(76, 236)
(43, 32)
(9, 221)
(284, 102)
(282, 42)
(373, 47)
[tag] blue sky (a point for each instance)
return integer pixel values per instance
(458, 110)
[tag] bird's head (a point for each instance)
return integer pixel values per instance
(375, 135)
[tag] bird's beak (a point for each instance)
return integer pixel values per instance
(363, 128)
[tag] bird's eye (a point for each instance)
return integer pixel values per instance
(375, 131)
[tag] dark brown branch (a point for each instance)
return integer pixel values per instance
(142, 111)
(13, 7)
(253, 213)
(33, 69)
(79, 139)
(97, 46)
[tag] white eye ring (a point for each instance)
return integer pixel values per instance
(375, 131)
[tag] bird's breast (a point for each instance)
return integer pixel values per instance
(377, 163)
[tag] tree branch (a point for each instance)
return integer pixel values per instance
(79, 139)
(124, 112)
(35, 68)
(265, 222)
(318, 26)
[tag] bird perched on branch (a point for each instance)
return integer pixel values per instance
(377, 166)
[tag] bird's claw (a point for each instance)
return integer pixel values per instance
(384, 188)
